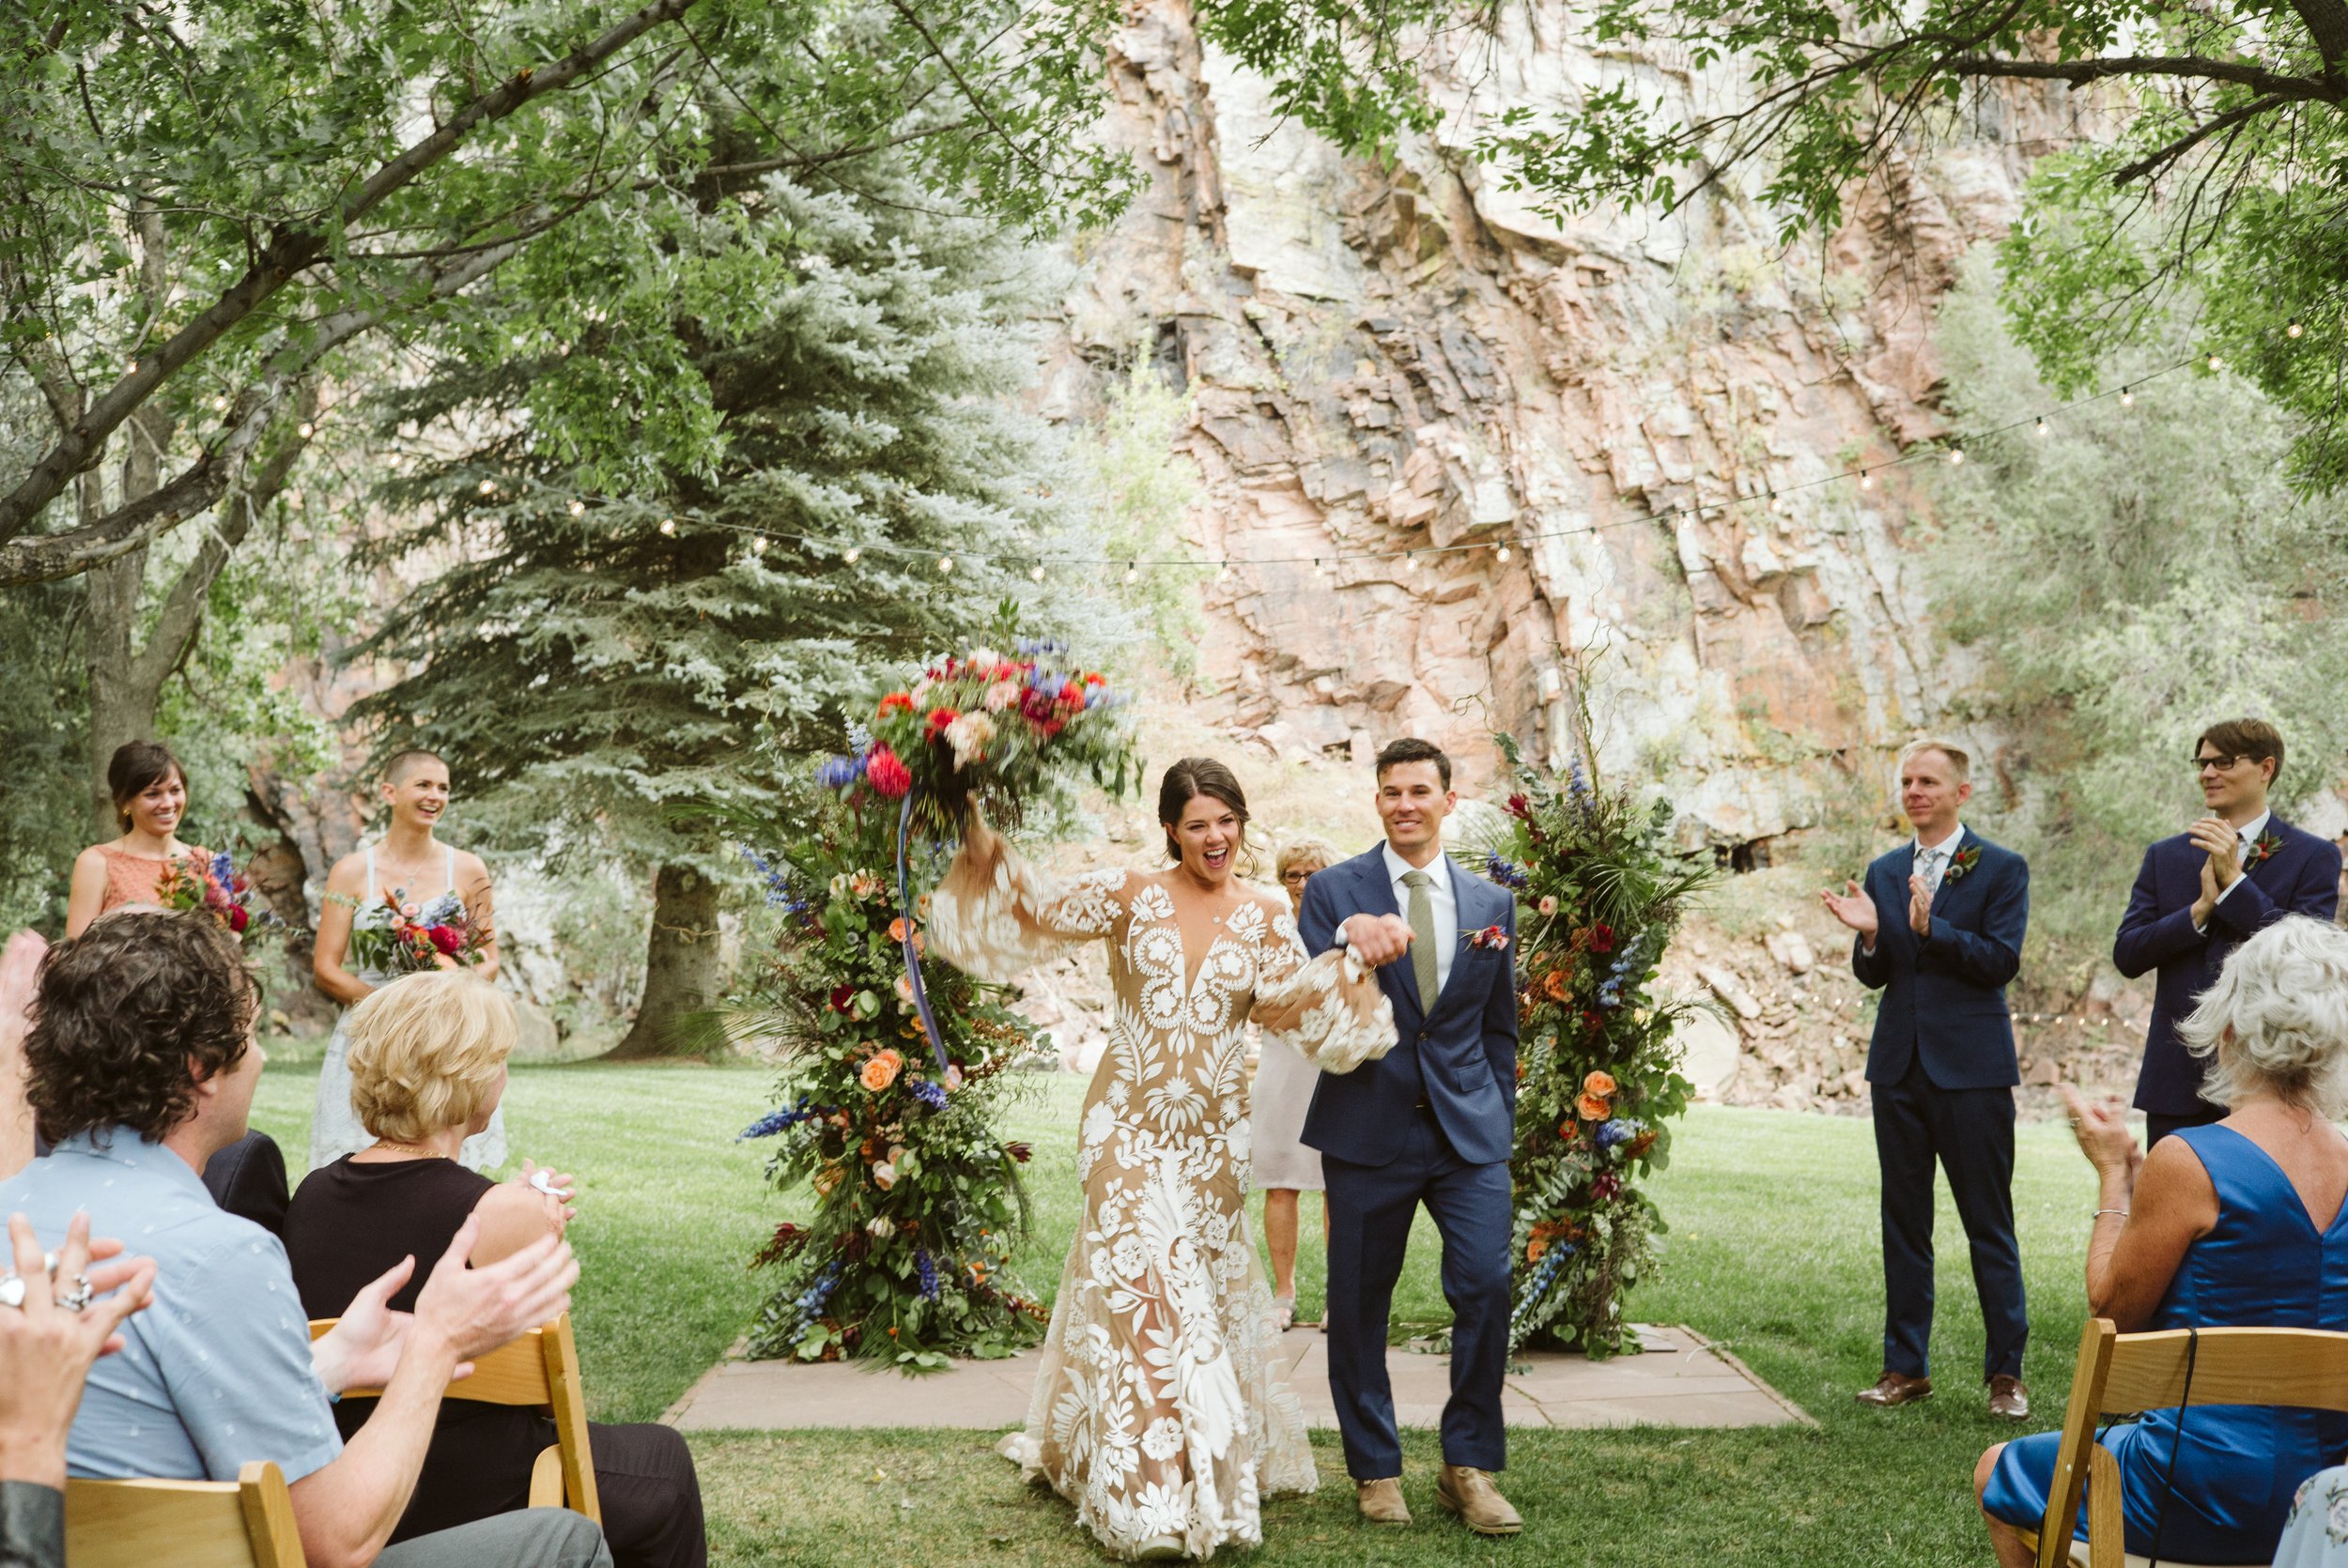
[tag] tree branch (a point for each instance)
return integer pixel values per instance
(2079, 72)
(2326, 21)
(287, 253)
(2186, 143)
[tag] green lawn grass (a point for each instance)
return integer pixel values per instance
(1773, 1254)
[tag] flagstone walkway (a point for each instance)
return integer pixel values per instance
(1680, 1381)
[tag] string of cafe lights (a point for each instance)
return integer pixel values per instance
(1038, 566)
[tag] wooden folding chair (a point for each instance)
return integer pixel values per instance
(2122, 1374)
(540, 1367)
(244, 1523)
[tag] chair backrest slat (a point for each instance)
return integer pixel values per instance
(2300, 1368)
(512, 1374)
(245, 1523)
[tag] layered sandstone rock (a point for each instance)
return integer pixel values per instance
(1410, 358)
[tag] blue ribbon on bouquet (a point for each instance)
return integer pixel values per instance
(913, 953)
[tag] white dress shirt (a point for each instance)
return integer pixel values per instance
(1932, 860)
(1444, 902)
(2248, 836)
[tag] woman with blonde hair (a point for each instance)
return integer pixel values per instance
(2243, 1223)
(1282, 1093)
(427, 1065)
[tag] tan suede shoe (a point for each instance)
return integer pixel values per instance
(1470, 1494)
(1382, 1501)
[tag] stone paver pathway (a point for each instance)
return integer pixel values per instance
(1680, 1381)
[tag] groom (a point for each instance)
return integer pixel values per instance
(1432, 1122)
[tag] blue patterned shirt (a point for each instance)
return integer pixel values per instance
(216, 1373)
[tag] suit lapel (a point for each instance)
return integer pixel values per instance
(1467, 893)
(2275, 825)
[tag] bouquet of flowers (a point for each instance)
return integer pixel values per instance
(410, 938)
(1600, 888)
(214, 886)
(985, 725)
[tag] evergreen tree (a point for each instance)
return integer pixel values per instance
(624, 671)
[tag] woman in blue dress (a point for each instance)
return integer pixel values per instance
(2241, 1223)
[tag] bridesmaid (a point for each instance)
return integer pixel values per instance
(1283, 1092)
(407, 869)
(149, 790)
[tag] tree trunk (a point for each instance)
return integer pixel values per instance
(122, 701)
(681, 975)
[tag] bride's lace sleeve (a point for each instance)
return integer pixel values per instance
(1329, 1010)
(997, 914)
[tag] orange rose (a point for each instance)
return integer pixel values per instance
(1598, 1083)
(1535, 1247)
(882, 1069)
(824, 1181)
(1593, 1108)
(1554, 983)
(897, 929)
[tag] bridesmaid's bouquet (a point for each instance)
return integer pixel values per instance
(998, 727)
(417, 937)
(214, 886)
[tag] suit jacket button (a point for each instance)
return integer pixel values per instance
(1422, 1034)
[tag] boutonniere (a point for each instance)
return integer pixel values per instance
(1962, 861)
(2262, 850)
(1490, 936)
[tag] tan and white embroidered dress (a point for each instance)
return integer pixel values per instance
(1159, 1408)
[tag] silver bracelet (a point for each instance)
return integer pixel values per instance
(2101, 1212)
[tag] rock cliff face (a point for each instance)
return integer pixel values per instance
(1408, 358)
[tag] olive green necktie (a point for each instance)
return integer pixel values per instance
(1423, 935)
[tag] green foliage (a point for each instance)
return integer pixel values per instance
(44, 721)
(1139, 495)
(618, 662)
(917, 1199)
(1601, 889)
(2135, 574)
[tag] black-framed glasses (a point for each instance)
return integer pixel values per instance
(2220, 764)
(1297, 877)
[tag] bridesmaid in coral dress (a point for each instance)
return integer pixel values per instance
(149, 790)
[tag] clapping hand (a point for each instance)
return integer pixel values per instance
(2103, 1132)
(1920, 906)
(1377, 939)
(363, 1348)
(46, 1347)
(1852, 907)
(2215, 836)
(552, 1188)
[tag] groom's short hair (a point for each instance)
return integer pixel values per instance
(2253, 738)
(1410, 748)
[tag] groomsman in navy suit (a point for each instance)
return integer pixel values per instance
(1939, 928)
(2205, 892)
(1430, 1122)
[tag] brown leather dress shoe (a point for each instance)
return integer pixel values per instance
(1895, 1388)
(1469, 1493)
(2008, 1398)
(1382, 1501)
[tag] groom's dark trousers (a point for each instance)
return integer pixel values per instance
(1430, 1122)
(1942, 1070)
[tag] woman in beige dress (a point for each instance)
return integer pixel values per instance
(1159, 1409)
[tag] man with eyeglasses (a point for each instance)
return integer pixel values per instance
(2202, 894)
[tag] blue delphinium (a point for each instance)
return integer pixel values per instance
(810, 1305)
(927, 1268)
(783, 1120)
(224, 869)
(1617, 1130)
(778, 885)
(1544, 1275)
(1505, 872)
(838, 773)
(930, 1092)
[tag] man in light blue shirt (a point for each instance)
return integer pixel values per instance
(141, 1066)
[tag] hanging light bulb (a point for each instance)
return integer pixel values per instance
(1410, 561)
(2041, 425)
(306, 429)
(1866, 480)
(1035, 573)
(945, 564)
(1321, 567)
(577, 507)
(668, 526)
(488, 487)
(1777, 502)
(1224, 573)
(2216, 363)
(850, 553)
(134, 367)
(2128, 398)
(2293, 330)
(1133, 573)
(220, 405)
(758, 545)
(1503, 554)
(1957, 455)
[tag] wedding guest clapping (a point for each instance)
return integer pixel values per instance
(427, 1064)
(406, 882)
(1282, 1093)
(2228, 876)
(1939, 929)
(20, 969)
(149, 791)
(2236, 1223)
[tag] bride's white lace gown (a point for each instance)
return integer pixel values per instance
(1159, 1408)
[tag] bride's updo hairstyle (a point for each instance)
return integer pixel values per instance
(2276, 1020)
(1185, 782)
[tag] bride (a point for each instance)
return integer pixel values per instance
(1159, 1410)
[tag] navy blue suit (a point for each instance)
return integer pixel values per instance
(1942, 1070)
(2302, 876)
(1432, 1121)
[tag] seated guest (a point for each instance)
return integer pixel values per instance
(2238, 1223)
(2316, 1535)
(50, 1333)
(248, 1178)
(142, 1065)
(20, 963)
(427, 1064)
